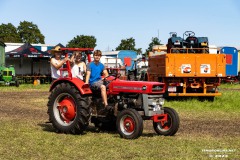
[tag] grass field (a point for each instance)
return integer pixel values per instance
(208, 130)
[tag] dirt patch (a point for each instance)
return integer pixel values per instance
(21, 105)
(32, 107)
(210, 127)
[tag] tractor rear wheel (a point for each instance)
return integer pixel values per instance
(129, 124)
(68, 110)
(170, 127)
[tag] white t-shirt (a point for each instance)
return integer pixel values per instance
(55, 73)
(77, 71)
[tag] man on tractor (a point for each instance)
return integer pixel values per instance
(56, 62)
(93, 77)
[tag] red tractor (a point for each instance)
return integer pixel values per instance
(73, 105)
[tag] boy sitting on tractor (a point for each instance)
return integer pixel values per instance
(93, 77)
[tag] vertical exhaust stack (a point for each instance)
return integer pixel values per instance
(2, 54)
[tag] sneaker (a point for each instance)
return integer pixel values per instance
(106, 110)
(109, 108)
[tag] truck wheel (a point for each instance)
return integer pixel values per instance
(68, 110)
(210, 99)
(129, 124)
(16, 83)
(171, 126)
(207, 98)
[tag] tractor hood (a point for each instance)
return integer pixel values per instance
(144, 87)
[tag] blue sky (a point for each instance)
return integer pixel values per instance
(110, 21)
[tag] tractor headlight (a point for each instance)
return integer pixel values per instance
(144, 88)
(161, 101)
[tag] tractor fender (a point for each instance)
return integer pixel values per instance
(76, 82)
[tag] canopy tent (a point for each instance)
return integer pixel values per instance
(28, 60)
(26, 50)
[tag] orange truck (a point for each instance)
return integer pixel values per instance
(187, 71)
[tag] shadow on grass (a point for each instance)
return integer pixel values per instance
(115, 133)
(94, 129)
(149, 135)
(47, 127)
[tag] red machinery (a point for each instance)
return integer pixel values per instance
(72, 105)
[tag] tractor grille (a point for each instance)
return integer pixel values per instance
(153, 100)
(158, 88)
(150, 103)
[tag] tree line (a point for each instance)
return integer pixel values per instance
(28, 32)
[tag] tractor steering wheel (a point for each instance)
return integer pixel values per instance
(106, 82)
(189, 34)
(116, 75)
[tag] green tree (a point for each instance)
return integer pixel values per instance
(128, 44)
(82, 41)
(155, 41)
(8, 33)
(30, 33)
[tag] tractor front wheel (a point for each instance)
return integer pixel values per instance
(68, 110)
(129, 124)
(170, 127)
